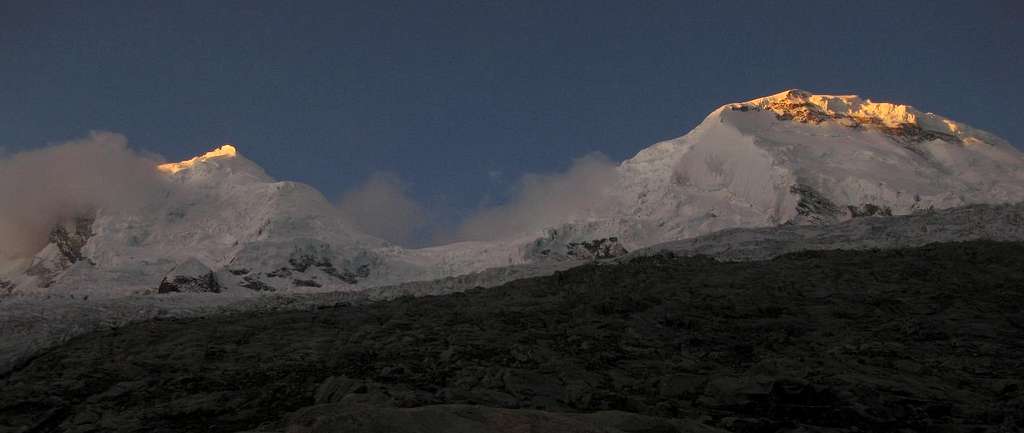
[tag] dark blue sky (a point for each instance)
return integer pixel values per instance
(443, 92)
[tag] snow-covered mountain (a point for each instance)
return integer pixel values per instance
(221, 214)
(800, 158)
(791, 158)
(219, 209)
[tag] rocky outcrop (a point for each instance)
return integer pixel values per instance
(305, 283)
(565, 244)
(596, 249)
(191, 276)
(70, 239)
(307, 263)
(869, 209)
(813, 207)
(321, 258)
(65, 248)
(254, 283)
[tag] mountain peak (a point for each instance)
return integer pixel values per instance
(225, 151)
(853, 111)
(827, 107)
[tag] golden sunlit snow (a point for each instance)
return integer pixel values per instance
(225, 151)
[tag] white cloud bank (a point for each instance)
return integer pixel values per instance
(545, 200)
(381, 207)
(39, 188)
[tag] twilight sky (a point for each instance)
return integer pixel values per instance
(461, 98)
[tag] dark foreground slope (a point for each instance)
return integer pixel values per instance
(926, 339)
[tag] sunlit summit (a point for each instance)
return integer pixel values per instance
(225, 151)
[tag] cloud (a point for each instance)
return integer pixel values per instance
(40, 188)
(381, 207)
(545, 200)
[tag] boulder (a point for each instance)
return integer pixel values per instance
(191, 276)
